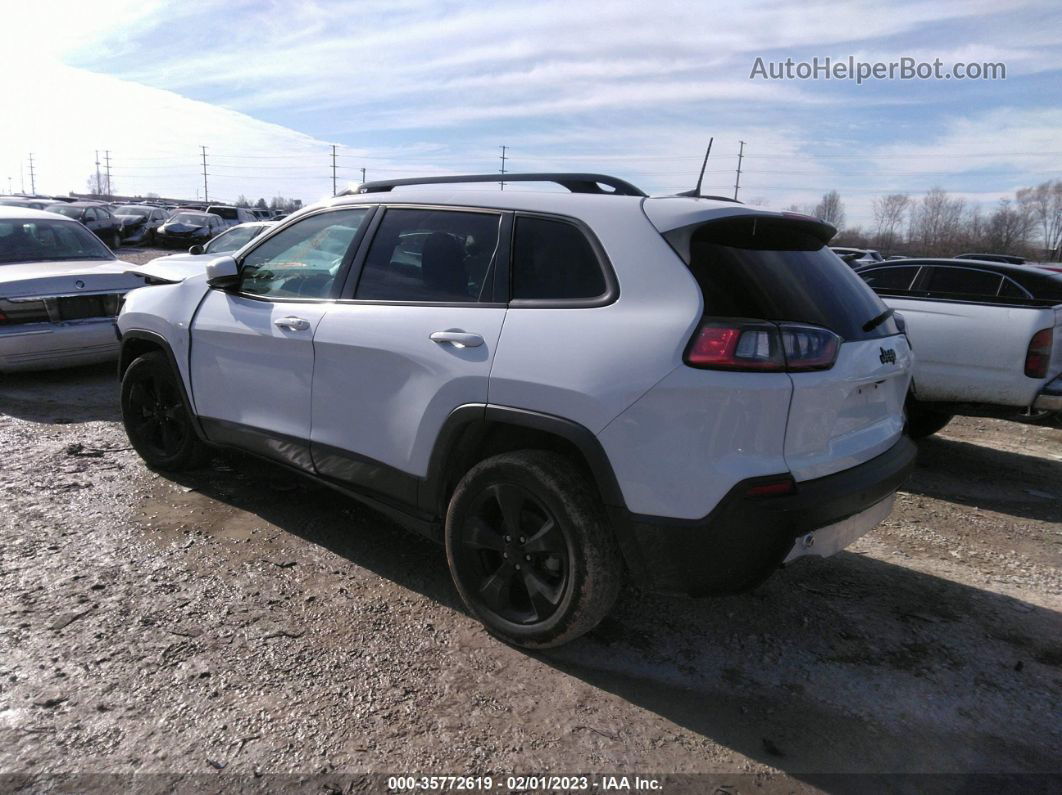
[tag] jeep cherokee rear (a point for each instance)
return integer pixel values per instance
(561, 388)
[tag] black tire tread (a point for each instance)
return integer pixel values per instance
(600, 571)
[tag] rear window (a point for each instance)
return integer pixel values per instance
(228, 213)
(774, 269)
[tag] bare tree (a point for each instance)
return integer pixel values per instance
(1044, 203)
(889, 212)
(97, 185)
(1008, 228)
(936, 223)
(831, 209)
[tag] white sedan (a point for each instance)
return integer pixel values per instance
(60, 290)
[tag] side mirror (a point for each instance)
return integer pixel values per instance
(223, 273)
(196, 249)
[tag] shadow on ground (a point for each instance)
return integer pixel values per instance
(76, 394)
(846, 665)
(984, 477)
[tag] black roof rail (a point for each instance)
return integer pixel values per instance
(575, 182)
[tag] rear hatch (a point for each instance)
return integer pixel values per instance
(776, 267)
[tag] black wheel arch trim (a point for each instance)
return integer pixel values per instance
(469, 417)
(126, 358)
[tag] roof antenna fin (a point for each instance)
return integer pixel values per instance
(696, 192)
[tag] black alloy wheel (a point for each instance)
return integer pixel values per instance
(530, 550)
(515, 554)
(156, 419)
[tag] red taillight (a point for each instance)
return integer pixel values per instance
(1038, 357)
(761, 346)
(3, 319)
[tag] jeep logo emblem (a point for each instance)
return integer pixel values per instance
(888, 356)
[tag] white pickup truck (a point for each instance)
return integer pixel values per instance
(987, 338)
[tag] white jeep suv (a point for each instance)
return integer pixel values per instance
(565, 388)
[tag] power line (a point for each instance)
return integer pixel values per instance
(737, 178)
(107, 158)
(206, 193)
(501, 184)
(333, 169)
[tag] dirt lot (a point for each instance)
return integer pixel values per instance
(238, 622)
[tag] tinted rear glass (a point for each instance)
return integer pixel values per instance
(775, 270)
(228, 213)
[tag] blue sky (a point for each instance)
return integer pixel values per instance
(406, 87)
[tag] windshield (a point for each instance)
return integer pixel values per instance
(132, 209)
(43, 241)
(196, 219)
(232, 239)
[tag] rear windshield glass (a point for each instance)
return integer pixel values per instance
(229, 213)
(45, 241)
(775, 270)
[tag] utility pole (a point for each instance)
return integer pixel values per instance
(333, 169)
(737, 180)
(107, 157)
(9, 191)
(363, 175)
(501, 184)
(33, 176)
(206, 193)
(99, 182)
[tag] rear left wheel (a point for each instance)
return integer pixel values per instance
(156, 419)
(529, 549)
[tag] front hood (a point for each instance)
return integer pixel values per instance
(174, 268)
(67, 278)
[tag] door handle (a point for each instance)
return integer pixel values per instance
(461, 339)
(292, 323)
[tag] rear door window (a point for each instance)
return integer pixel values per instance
(950, 281)
(774, 269)
(553, 260)
(431, 255)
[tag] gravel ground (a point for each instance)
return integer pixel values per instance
(239, 622)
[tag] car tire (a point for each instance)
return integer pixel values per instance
(923, 421)
(156, 417)
(529, 548)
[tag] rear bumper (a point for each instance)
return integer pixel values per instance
(745, 538)
(1050, 397)
(48, 346)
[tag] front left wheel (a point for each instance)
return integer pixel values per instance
(529, 548)
(156, 418)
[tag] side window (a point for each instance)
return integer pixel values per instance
(554, 260)
(1011, 289)
(303, 260)
(89, 217)
(963, 281)
(431, 255)
(890, 278)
